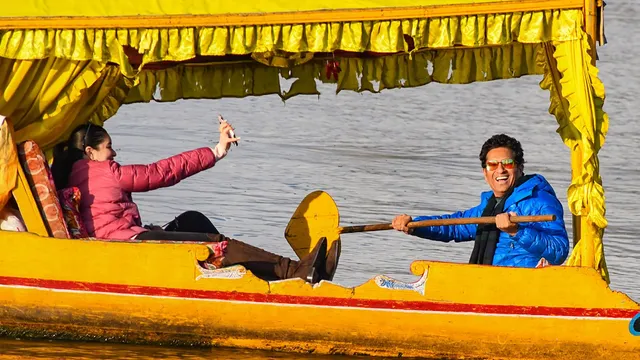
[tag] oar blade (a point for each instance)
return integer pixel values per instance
(316, 217)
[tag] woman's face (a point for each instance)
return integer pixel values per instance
(102, 152)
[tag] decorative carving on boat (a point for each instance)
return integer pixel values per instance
(386, 282)
(231, 272)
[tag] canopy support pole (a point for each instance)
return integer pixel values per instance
(591, 26)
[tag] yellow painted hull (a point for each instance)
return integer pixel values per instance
(156, 293)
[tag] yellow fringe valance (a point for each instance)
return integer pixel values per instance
(180, 44)
(452, 66)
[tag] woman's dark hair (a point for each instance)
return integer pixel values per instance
(498, 141)
(67, 153)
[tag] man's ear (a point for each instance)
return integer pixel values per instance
(485, 175)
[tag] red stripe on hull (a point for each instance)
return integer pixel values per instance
(321, 301)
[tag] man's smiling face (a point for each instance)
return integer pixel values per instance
(501, 171)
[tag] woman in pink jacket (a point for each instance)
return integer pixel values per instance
(108, 211)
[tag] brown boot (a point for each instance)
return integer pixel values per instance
(332, 260)
(263, 264)
(311, 267)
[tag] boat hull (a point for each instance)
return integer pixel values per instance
(157, 294)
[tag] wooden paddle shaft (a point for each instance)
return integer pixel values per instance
(442, 222)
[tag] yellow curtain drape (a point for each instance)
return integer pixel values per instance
(577, 99)
(8, 161)
(47, 98)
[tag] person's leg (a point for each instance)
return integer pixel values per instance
(192, 221)
(174, 236)
(268, 265)
(262, 263)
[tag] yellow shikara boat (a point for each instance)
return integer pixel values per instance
(77, 61)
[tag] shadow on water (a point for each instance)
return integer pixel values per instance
(80, 350)
(28, 349)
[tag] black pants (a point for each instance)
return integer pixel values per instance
(188, 226)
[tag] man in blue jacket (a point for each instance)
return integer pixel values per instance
(513, 193)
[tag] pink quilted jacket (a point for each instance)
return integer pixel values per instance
(107, 208)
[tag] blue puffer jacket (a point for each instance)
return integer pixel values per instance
(532, 242)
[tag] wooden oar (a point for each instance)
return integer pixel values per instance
(317, 216)
(443, 222)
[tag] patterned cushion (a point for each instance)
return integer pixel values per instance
(70, 201)
(40, 181)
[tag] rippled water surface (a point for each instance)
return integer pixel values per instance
(404, 151)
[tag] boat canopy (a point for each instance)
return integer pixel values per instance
(68, 62)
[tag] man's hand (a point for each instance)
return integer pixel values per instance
(400, 223)
(503, 223)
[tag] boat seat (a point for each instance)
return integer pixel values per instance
(40, 181)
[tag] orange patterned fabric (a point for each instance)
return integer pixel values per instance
(70, 202)
(40, 181)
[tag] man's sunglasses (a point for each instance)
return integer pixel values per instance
(507, 164)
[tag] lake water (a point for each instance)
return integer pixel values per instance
(404, 151)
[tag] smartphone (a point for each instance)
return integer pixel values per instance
(231, 132)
